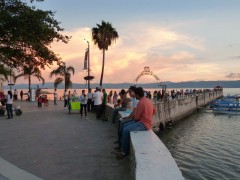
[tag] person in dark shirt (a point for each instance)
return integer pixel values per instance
(103, 106)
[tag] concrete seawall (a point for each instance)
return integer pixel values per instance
(178, 109)
(150, 159)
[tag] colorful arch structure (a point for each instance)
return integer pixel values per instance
(147, 71)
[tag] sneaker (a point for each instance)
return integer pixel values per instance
(86, 117)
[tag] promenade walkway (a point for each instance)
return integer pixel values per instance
(51, 144)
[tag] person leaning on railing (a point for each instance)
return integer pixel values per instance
(143, 115)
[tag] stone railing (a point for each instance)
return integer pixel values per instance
(150, 159)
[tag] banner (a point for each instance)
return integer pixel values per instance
(85, 66)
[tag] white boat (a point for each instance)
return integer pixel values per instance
(227, 109)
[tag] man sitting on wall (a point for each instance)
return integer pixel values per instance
(129, 119)
(143, 115)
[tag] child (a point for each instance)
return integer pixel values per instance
(40, 101)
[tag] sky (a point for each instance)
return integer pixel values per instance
(179, 40)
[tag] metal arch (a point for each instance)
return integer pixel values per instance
(147, 72)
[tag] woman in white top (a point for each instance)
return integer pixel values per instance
(83, 101)
(55, 96)
(9, 105)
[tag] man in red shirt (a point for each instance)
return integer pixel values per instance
(143, 115)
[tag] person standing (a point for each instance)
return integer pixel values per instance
(97, 102)
(83, 101)
(21, 94)
(65, 97)
(69, 97)
(89, 100)
(28, 95)
(115, 97)
(9, 105)
(15, 94)
(103, 106)
(110, 97)
(55, 96)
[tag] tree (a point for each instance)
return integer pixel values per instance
(26, 34)
(103, 35)
(65, 75)
(28, 72)
(5, 72)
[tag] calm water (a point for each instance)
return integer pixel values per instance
(206, 145)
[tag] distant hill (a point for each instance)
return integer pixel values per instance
(187, 84)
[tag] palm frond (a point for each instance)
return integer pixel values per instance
(70, 69)
(57, 82)
(40, 78)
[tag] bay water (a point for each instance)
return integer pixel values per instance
(206, 145)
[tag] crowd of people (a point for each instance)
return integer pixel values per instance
(135, 99)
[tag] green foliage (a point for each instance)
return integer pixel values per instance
(5, 72)
(30, 71)
(103, 35)
(65, 75)
(26, 34)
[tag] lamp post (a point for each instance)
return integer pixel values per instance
(88, 64)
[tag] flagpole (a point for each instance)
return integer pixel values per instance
(88, 65)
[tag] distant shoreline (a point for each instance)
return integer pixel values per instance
(188, 84)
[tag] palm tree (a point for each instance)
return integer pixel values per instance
(103, 35)
(28, 72)
(5, 72)
(65, 75)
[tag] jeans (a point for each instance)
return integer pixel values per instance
(125, 140)
(98, 111)
(122, 125)
(9, 110)
(103, 107)
(83, 106)
(65, 102)
(115, 113)
(90, 105)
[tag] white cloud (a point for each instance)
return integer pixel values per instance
(139, 45)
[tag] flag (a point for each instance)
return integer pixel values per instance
(85, 60)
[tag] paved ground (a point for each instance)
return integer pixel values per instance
(52, 144)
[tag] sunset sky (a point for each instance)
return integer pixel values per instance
(180, 40)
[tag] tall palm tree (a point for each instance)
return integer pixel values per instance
(28, 72)
(103, 35)
(65, 75)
